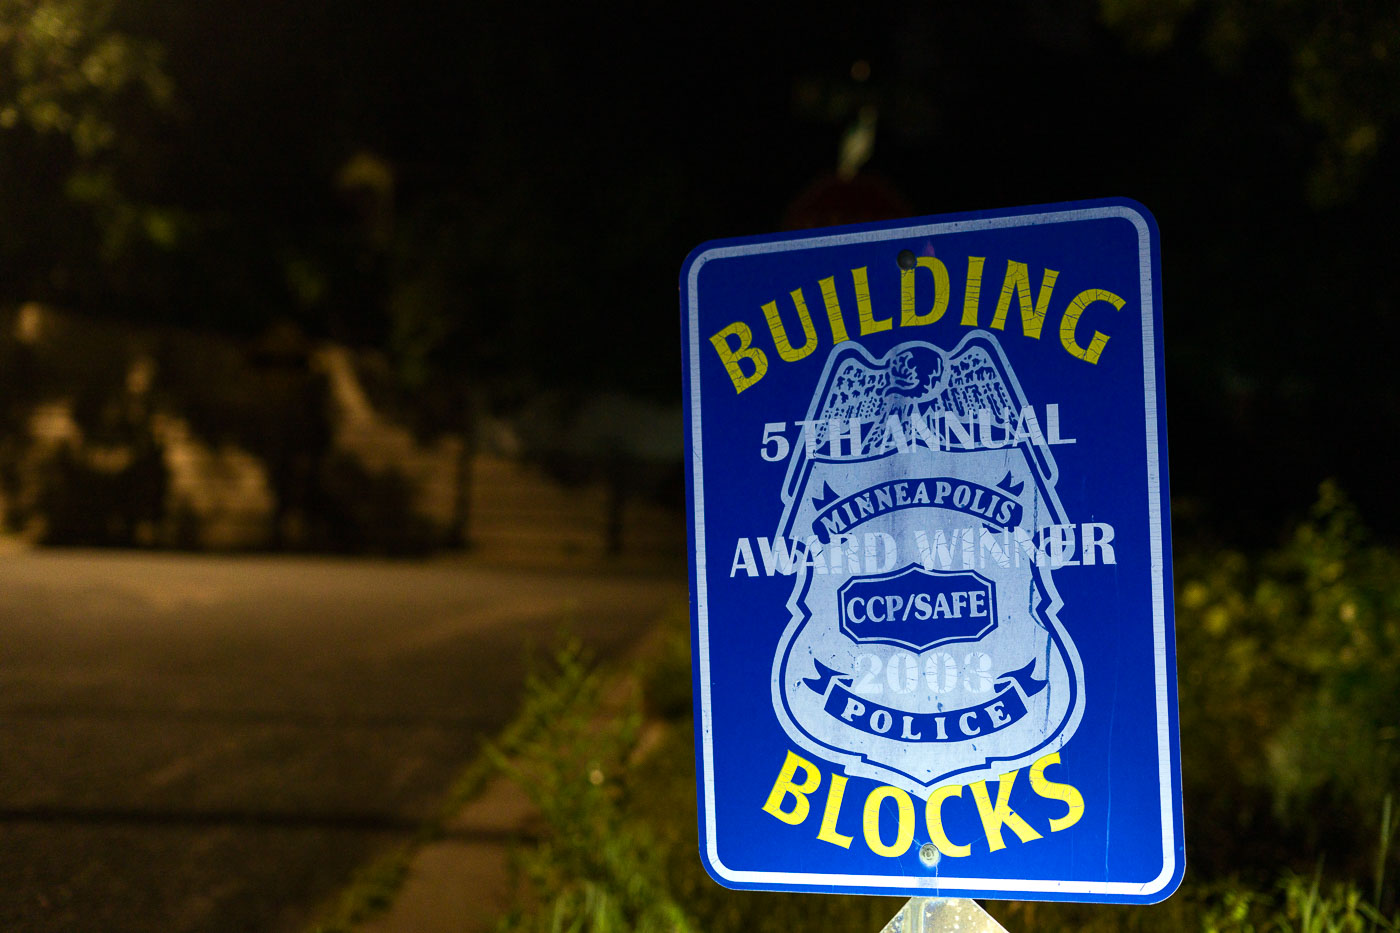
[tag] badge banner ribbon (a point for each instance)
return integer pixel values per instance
(1006, 707)
(997, 507)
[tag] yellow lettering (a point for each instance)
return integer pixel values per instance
(995, 817)
(973, 293)
(784, 787)
(730, 356)
(1018, 283)
(1053, 790)
(780, 337)
(828, 831)
(868, 324)
(833, 310)
(933, 816)
(1069, 322)
(908, 317)
(904, 833)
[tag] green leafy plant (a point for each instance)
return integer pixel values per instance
(596, 871)
(1290, 662)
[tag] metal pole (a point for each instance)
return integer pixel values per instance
(942, 915)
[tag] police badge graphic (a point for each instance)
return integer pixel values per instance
(924, 644)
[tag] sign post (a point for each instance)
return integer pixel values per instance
(930, 579)
(942, 915)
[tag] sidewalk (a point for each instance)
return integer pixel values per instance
(460, 883)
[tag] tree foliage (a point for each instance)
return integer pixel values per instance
(67, 66)
(76, 84)
(1344, 61)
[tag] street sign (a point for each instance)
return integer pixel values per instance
(931, 568)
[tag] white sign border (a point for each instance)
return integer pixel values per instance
(1165, 773)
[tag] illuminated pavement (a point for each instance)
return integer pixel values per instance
(207, 743)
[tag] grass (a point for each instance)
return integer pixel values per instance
(371, 892)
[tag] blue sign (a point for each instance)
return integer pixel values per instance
(931, 566)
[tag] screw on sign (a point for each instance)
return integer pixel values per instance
(931, 573)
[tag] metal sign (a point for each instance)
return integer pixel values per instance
(931, 581)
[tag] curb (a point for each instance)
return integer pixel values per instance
(455, 876)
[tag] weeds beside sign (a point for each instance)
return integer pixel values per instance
(931, 575)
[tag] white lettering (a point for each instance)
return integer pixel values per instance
(1098, 536)
(743, 559)
(1052, 426)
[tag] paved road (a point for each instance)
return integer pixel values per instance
(210, 743)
